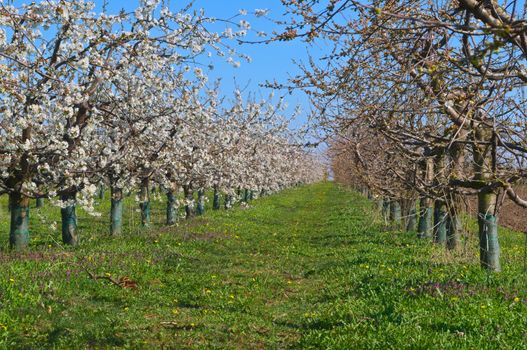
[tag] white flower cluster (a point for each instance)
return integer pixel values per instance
(85, 100)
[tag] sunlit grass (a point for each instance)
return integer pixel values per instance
(308, 268)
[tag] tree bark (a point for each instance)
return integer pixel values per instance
(69, 220)
(201, 202)
(425, 227)
(189, 196)
(489, 248)
(116, 213)
(386, 210)
(228, 201)
(171, 208)
(440, 222)
(145, 202)
(19, 225)
(411, 222)
(453, 229)
(395, 213)
(216, 200)
(457, 155)
(379, 204)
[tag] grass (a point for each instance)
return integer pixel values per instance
(309, 268)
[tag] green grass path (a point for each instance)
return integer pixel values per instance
(310, 267)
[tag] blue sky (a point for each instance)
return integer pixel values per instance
(269, 61)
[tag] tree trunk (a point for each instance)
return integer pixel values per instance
(101, 191)
(440, 222)
(69, 220)
(395, 213)
(116, 214)
(411, 222)
(440, 212)
(145, 202)
(189, 196)
(171, 208)
(246, 196)
(457, 155)
(424, 227)
(228, 201)
(426, 212)
(380, 205)
(216, 200)
(386, 210)
(489, 248)
(453, 230)
(19, 203)
(19, 226)
(201, 202)
(39, 202)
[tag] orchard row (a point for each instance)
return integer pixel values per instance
(423, 101)
(91, 99)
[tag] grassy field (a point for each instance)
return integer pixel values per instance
(309, 268)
